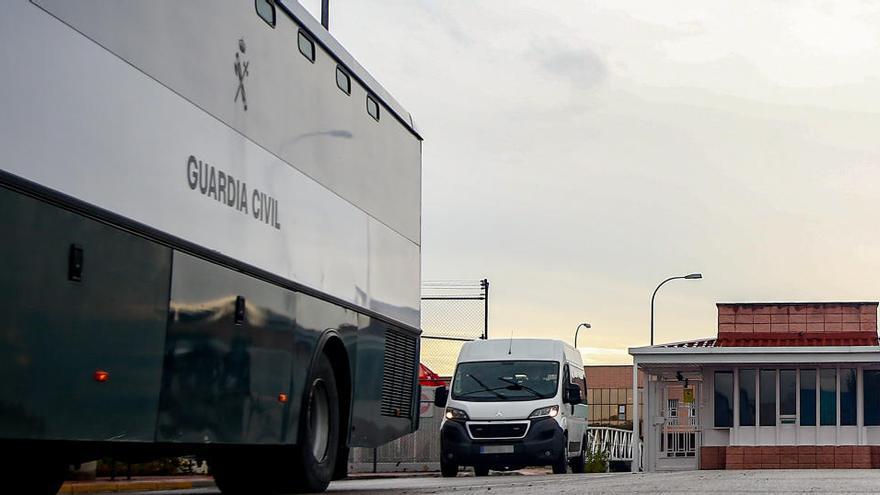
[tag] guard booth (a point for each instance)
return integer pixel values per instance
(783, 385)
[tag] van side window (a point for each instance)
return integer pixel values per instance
(579, 379)
(566, 377)
(266, 11)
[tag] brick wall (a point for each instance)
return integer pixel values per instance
(713, 457)
(797, 318)
(791, 457)
(611, 376)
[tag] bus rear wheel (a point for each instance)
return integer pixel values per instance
(318, 440)
(306, 467)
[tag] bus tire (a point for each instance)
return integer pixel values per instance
(480, 471)
(318, 439)
(341, 471)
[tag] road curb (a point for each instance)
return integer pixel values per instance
(388, 476)
(133, 486)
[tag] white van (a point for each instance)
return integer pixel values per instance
(514, 403)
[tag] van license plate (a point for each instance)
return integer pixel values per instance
(496, 449)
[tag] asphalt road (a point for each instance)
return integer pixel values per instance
(712, 482)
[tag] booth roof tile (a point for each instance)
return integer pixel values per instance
(692, 343)
(805, 339)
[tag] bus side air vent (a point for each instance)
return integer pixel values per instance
(397, 375)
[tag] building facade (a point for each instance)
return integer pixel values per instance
(782, 385)
(610, 396)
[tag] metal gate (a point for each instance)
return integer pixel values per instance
(680, 434)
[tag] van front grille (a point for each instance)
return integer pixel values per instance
(498, 430)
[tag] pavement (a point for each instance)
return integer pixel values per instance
(176, 484)
(696, 482)
(139, 484)
(702, 482)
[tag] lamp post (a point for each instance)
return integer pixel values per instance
(585, 325)
(692, 276)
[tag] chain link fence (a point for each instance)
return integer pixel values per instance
(453, 312)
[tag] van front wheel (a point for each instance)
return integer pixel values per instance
(560, 465)
(577, 463)
(448, 469)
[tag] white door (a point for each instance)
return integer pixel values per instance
(680, 432)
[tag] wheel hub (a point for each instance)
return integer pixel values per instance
(319, 420)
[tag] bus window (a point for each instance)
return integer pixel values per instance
(266, 11)
(343, 81)
(372, 107)
(306, 47)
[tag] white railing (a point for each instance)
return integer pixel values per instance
(615, 441)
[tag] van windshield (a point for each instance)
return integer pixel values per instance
(505, 380)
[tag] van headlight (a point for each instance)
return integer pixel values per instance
(545, 412)
(456, 414)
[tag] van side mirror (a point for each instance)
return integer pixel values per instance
(573, 394)
(440, 396)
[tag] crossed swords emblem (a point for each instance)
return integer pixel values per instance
(241, 70)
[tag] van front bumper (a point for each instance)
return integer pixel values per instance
(544, 442)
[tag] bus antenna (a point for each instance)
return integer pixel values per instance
(510, 345)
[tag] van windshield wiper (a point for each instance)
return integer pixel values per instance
(485, 388)
(520, 386)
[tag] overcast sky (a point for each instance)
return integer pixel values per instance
(578, 152)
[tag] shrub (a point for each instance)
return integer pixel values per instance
(596, 462)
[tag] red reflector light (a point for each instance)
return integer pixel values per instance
(282, 398)
(101, 376)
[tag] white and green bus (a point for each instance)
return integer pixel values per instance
(211, 243)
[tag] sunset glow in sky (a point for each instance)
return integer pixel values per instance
(579, 152)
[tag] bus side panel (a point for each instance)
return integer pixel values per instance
(294, 108)
(228, 357)
(314, 319)
(81, 121)
(57, 333)
(385, 405)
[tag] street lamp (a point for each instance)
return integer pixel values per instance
(585, 325)
(692, 276)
